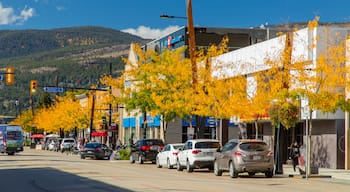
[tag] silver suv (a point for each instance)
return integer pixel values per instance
(238, 156)
(197, 153)
(67, 144)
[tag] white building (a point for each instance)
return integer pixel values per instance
(307, 44)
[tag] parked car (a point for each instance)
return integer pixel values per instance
(67, 144)
(145, 150)
(168, 155)
(95, 150)
(238, 156)
(197, 153)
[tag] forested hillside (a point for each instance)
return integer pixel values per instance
(76, 57)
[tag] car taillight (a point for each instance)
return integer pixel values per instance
(98, 149)
(238, 153)
(161, 147)
(175, 153)
(4, 142)
(195, 152)
(145, 148)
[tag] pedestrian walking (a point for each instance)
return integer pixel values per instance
(295, 154)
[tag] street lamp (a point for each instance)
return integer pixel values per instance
(17, 107)
(165, 16)
(191, 45)
(191, 39)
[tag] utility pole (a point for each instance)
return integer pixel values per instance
(191, 43)
(92, 113)
(112, 136)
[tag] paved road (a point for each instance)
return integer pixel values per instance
(46, 171)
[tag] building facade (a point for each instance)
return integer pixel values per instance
(178, 130)
(328, 134)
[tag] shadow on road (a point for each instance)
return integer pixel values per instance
(50, 180)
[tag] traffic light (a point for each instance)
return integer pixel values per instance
(33, 86)
(104, 122)
(10, 76)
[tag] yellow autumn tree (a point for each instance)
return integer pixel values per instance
(320, 82)
(66, 115)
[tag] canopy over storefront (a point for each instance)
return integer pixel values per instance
(37, 136)
(99, 134)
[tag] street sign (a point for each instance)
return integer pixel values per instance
(1, 77)
(53, 89)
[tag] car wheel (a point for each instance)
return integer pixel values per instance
(131, 159)
(169, 166)
(269, 174)
(217, 170)
(232, 170)
(82, 157)
(140, 161)
(251, 174)
(157, 163)
(189, 169)
(178, 166)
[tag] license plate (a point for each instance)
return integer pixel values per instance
(89, 152)
(210, 153)
(154, 148)
(255, 157)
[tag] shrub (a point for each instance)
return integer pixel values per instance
(123, 154)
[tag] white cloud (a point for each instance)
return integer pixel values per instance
(149, 33)
(9, 17)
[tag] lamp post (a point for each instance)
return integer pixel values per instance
(191, 48)
(191, 38)
(165, 16)
(17, 107)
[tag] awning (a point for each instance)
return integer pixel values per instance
(52, 136)
(99, 134)
(37, 136)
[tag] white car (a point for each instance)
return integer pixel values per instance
(197, 153)
(168, 156)
(67, 144)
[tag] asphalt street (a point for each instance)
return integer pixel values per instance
(47, 171)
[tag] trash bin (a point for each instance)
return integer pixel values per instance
(32, 145)
(313, 170)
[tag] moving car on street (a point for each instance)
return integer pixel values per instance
(238, 156)
(197, 154)
(95, 151)
(11, 139)
(145, 150)
(168, 156)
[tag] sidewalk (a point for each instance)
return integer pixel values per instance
(337, 174)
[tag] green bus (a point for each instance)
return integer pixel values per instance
(11, 139)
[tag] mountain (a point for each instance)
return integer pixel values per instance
(70, 57)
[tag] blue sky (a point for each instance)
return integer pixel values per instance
(142, 17)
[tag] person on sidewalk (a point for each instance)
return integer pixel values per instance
(295, 154)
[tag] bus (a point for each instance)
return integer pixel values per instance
(11, 139)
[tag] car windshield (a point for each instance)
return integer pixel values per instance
(207, 144)
(253, 146)
(92, 145)
(153, 142)
(177, 146)
(14, 135)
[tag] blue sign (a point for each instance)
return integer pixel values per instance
(53, 89)
(1, 77)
